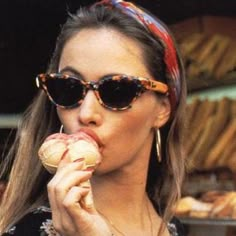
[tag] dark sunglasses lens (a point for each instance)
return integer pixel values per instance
(65, 92)
(118, 93)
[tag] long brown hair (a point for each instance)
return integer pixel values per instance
(28, 179)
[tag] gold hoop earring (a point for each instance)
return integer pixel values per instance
(61, 129)
(158, 145)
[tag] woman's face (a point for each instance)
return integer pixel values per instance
(127, 135)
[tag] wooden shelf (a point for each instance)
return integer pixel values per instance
(200, 84)
(208, 221)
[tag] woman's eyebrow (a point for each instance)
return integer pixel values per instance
(70, 70)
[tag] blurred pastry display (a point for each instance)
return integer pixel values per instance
(212, 204)
(211, 134)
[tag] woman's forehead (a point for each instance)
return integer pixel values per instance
(105, 51)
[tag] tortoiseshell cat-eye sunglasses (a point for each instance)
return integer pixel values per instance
(115, 92)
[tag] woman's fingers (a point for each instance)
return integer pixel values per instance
(61, 183)
(67, 176)
(55, 182)
(73, 197)
(83, 218)
(61, 180)
(67, 167)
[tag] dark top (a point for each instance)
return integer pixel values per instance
(39, 223)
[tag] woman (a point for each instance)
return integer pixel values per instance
(133, 98)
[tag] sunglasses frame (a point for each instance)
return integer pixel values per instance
(143, 83)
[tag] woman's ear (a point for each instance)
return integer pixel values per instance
(163, 112)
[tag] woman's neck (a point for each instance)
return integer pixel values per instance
(125, 206)
(119, 197)
(122, 189)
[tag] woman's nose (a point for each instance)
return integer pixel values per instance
(90, 110)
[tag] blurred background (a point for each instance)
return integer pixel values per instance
(205, 31)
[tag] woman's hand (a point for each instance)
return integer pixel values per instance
(70, 215)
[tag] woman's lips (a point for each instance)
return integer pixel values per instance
(93, 135)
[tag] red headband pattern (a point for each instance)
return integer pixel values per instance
(155, 26)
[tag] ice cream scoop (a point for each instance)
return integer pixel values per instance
(72, 147)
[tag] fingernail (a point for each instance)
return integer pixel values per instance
(79, 159)
(64, 155)
(86, 187)
(90, 168)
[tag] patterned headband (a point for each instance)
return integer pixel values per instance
(155, 26)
